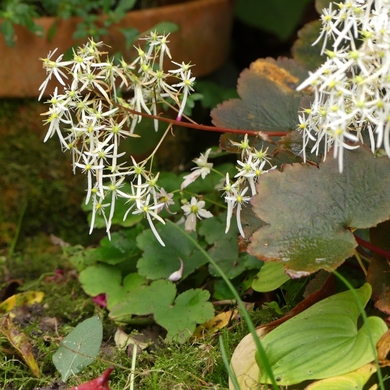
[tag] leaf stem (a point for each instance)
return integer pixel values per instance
(265, 135)
(372, 247)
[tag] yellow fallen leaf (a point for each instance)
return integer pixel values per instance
(25, 298)
(123, 340)
(244, 364)
(353, 380)
(20, 342)
(218, 322)
(383, 347)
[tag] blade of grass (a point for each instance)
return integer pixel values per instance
(241, 305)
(225, 359)
(18, 229)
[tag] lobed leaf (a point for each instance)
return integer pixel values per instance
(303, 50)
(268, 97)
(160, 262)
(178, 316)
(311, 211)
(100, 279)
(180, 319)
(145, 300)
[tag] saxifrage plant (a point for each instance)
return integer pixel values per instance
(310, 185)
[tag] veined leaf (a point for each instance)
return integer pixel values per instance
(311, 211)
(322, 341)
(268, 97)
(79, 348)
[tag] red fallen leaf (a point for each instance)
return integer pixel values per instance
(99, 383)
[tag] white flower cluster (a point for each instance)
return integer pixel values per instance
(90, 118)
(352, 88)
(251, 167)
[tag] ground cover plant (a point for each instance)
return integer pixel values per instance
(292, 204)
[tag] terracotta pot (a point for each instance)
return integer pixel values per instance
(203, 39)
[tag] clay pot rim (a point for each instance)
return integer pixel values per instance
(164, 9)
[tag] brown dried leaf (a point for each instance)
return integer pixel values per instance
(20, 342)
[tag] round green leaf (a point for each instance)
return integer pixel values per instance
(100, 278)
(270, 277)
(145, 299)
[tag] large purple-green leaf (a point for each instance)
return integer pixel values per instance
(311, 211)
(268, 97)
(303, 49)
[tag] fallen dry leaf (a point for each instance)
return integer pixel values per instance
(218, 322)
(27, 298)
(383, 348)
(20, 342)
(99, 383)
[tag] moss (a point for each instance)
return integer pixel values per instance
(37, 174)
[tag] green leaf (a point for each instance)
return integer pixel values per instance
(225, 251)
(99, 279)
(270, 277)
(354, 380)
(79, 348)
(122, 246)
(165, 27)
(160, 262)
(80, 257)
(303, 50)
(52, 31)
(7, 29)
(145, 299)
(180, 319)
(130, 35)
(118, 293)
(269, 100)
(275, 16)
(124, 5)
(311, 211)
(213, 93)
(322, 341)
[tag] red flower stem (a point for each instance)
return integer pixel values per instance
(265, 135)
(372, 247)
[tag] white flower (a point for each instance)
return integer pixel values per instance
(351, 89)
(149, 213)
(166, 199)
(91, 171)
(186, 87)
(53, 68)
(203, 169)
(192, 211)
(237, 198)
